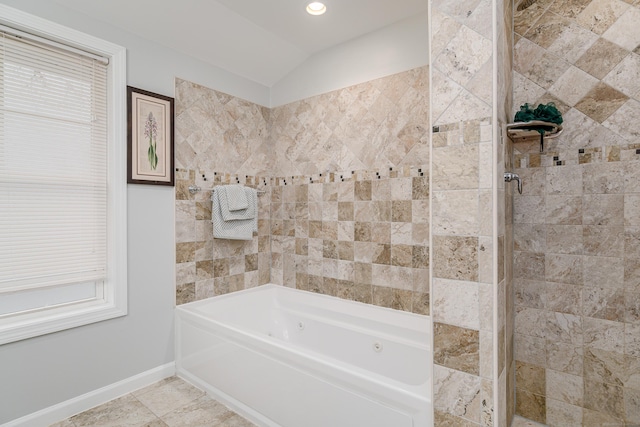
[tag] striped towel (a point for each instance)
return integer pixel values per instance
(234, 229)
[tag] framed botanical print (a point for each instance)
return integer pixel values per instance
(150, 144)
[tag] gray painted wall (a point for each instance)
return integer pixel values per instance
(43, 371)
(399, 47)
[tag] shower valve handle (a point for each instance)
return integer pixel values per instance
(510, 176)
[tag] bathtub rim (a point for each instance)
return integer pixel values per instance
(425, 321)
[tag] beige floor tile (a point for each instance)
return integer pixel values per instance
(168, 395)
(201, 412)
(125, 411)
(180, 403)
(237, 421)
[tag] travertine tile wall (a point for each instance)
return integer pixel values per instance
(350, 208)
(359, 234)
(577, 253)
(468, 251)
(504, 213)
(462, 274)
(370, 126)
(220, 139)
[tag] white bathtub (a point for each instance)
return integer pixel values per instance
(290, 358)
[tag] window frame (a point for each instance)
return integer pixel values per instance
(15, 327)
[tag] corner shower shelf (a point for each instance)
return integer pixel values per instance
(521, 131)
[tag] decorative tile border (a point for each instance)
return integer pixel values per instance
(629, 152)
(225, 178)
(355, 175)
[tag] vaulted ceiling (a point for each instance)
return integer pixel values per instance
(262, 40)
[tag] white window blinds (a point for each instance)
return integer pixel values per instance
(53, 166)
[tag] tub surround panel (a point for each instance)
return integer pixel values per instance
(575, 250)
(220, 140)
(347, 206)
(356, 234)
(206, 266)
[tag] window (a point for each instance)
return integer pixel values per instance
(62, 178)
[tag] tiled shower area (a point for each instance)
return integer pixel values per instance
(577, 241)
(391, 192)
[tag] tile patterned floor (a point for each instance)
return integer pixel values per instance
(168, 403)
(173, 402)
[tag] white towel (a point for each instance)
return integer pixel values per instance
(228, 215)
(234, 229)
(237, 199)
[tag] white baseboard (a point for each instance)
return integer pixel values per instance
(66, 409)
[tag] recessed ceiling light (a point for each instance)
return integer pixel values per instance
(316, 8)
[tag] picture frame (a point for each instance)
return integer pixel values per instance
(150, 138)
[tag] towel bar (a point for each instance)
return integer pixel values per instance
(193, 189)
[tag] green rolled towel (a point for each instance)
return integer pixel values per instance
(543, 112)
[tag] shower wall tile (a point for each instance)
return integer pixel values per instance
(456, 303)
(457, 348)
(599, 15)
(530, 294)
(588, 209)
(531, 378)
(564, 357)
(596, 418)
(601, 58)
(605, 366)
(564, 387)
(605, 398)
(464, 55)
(531, 406)
(455, 257)
(531, 322)
(573, 86)
(562, 239)
(563, 414)
(457, 393)
(564, 298)
(464, 173)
